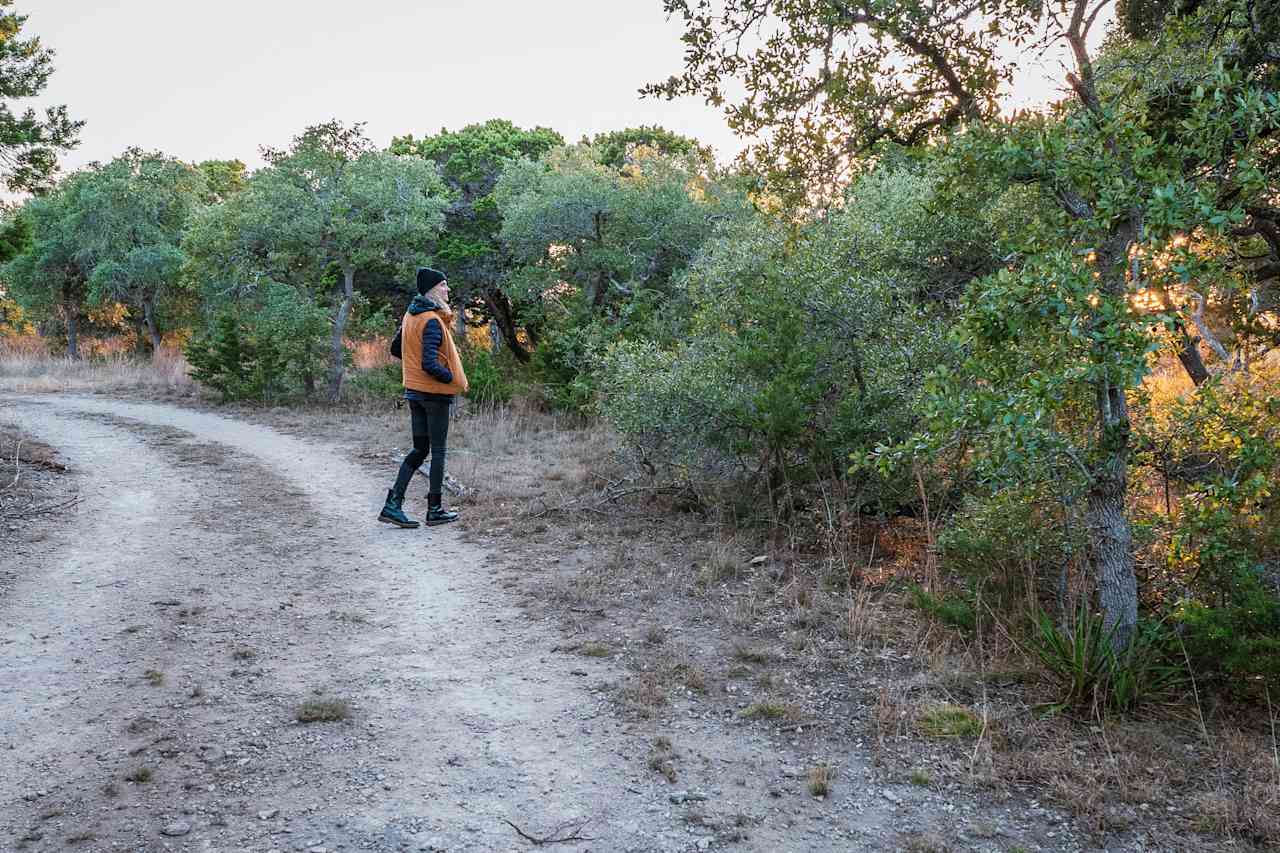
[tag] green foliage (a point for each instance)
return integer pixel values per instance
(29, 143)
(471, 161)
(803, 348)
(130, 218)
(807, 128)
(490, 385)
(619, 147)
(950, 610)
(1014, 541)
(322, 210)
(384, 382)
(1221, 561)
(263, 349)
(1081, 660)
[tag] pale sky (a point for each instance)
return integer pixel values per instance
(201, 80)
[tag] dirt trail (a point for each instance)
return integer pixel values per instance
(215, 576)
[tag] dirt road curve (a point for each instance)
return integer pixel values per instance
(216, 576)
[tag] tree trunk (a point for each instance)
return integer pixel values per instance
(337, 355)
(1110, 535)
(460, 317)
(1189, 355)
(503, 314)
(71, 314)
(153, 330)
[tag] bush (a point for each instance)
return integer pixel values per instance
(950, 610)
(1090, 675)
(489, 385)
(1012, 541)
(1220, 573)
(262, 350)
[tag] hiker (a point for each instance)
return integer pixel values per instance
(432, 374)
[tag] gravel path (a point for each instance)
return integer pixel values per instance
(217, 576)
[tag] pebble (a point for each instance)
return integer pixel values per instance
(267, 814)
(175, 829)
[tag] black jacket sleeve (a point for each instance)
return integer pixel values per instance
(432, 337)
(395, 342)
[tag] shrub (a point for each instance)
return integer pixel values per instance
(954, 611)
(1090, 674)
(1013, 542)
(490, 386)
(262, 349)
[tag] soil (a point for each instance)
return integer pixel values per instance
(217, 648)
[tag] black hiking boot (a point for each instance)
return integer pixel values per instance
(437, 514)
(393, 513)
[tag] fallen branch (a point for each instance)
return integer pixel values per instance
(32, 512)
(554, 837)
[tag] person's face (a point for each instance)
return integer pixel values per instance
(441, 292)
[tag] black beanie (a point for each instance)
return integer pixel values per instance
(428, 278)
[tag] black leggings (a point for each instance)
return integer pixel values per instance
(430, 432)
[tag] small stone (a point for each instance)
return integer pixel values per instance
(267, 814)
(891, 796)
(175, 829)
(30, 796)
(760, 560)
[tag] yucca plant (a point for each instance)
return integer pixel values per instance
(1090, 674)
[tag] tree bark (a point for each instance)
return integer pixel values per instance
(1110, 535)
(504, 315)
(337, 355)
(1189, 355)
(153, 329)
(71, 314)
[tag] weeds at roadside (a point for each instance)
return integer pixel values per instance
(820, 778)
(595, 650)
(750, 655)
(139, 775)
(244, 653)
(322, 711)
(770, 711)
(661, 759)
(949, 721)
(154, 677)
(81, 837)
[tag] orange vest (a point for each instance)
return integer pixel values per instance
(411, 355)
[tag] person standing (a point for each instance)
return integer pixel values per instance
(431, 370)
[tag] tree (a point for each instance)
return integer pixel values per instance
(223, 179)
(49, 275)
(471, 161)
(618, 146)
(132, 214)
(15, 237)
(29, 144)
(827, 82)
(610, 232)
(324, 208)
(1159, 139)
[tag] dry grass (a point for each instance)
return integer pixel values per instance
(322, 711)
(139, 775)
(820, 779)
(26, 366)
